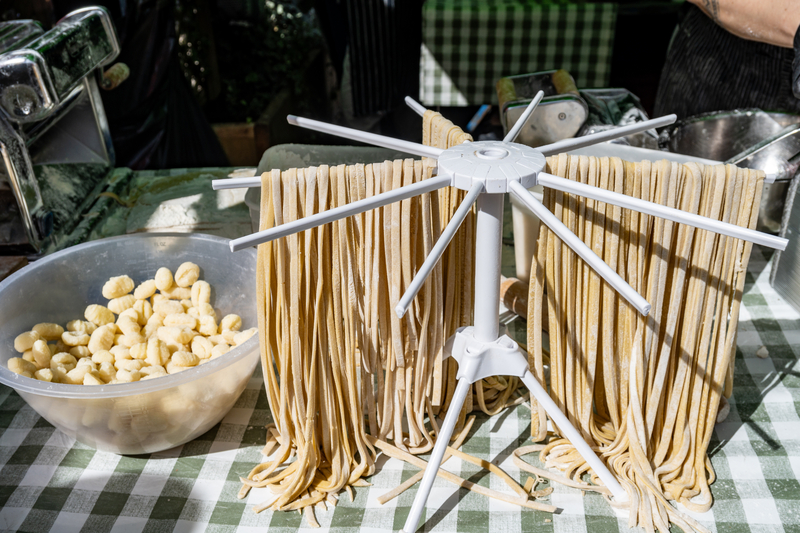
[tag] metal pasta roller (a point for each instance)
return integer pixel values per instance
(54, 136)
(560, 114)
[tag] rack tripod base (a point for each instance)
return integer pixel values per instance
(479, 359)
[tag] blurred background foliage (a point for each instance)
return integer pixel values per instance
(237, 55)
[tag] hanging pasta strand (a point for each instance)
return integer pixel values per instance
(342, 371)
(646, 390)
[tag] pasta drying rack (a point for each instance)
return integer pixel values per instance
(488, 170)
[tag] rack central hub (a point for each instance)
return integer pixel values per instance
(491, 153)
(491, 163)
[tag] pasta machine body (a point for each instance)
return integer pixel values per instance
(560, 114)
(54, 136)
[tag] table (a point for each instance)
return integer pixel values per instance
(169, 200)
(48, 482)
(10, 264)
(467, 45)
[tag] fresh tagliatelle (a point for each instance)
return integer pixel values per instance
(345, 377)
(644, 391)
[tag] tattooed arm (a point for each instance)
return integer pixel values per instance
(767, 21)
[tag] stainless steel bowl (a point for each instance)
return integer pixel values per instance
(749, 138)
(724, 134)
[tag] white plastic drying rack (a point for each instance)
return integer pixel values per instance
(487, 170)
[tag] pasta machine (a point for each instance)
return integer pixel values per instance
(54, 136)
(561, 114)
(566, 112)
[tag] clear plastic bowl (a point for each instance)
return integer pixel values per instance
(145, 416)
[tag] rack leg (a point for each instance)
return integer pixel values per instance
(572, 434)
(442, 441)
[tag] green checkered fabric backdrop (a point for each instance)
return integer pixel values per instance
(48, 482)
(467, 45)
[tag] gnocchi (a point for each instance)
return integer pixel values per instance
(101, 339)
(144, 310)
(145, 290)
(125, 376)
(117, 286)
(93, 378)
(202, 347)
(81, 326)
(118, 305)
(187, 274)
(163, 279)
(79, 351)
(64, 360)
(21, 366)
(44, 374)
(178, 293)
(48, 331)
(168, 307)
(185, 359)
(205, 309)
(120, 352)
(103, 356)
(181, 320)
(201, 293)
(162, 326)
(174, 334)
(157, 352)
(75, 338)
(99, 315)
(230, 322)
(219, 349)
(139, 351)
(208, 326)
(153, 371)
(24, 341)
(41, 354)
(128, 325)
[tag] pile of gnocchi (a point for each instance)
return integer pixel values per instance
(162, 326)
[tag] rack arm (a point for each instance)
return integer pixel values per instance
(608, 135)
(511, 136)
(336, 213)
(661, 211)
(236, 183)
(369, 138)
(415, 106)
(438, 249)
(577, 245)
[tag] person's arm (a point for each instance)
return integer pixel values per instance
(768, 21)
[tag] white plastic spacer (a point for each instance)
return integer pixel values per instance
(492, 163)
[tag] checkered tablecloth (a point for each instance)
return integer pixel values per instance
(467, 45)
(48, 482)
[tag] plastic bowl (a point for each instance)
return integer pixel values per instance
(145, 416)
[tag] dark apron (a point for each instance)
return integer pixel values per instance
(709, 69)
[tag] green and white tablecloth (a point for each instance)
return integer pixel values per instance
(467, 45)
(48, 482)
